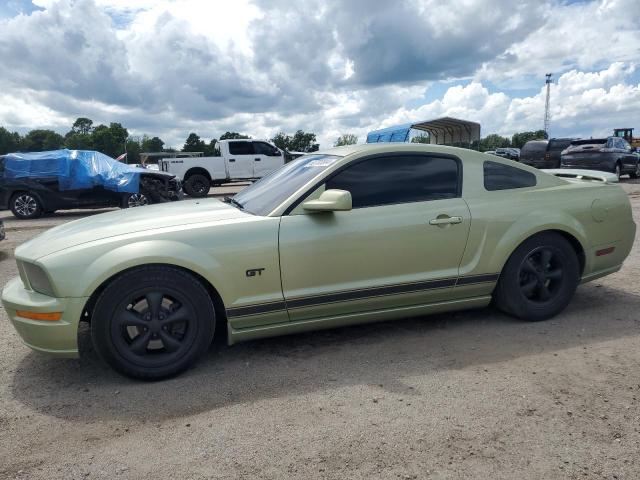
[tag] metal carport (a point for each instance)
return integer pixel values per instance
(442, 131)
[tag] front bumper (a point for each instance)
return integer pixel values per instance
(58, 338)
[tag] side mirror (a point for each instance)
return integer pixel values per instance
(329, 201)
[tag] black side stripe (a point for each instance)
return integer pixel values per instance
(491, 277)
(370, 292)
(360, 294)
(256, 309)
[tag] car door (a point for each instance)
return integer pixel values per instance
(267, 158)
(399, 246)
(241, 158)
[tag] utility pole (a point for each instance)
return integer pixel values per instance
(547, 113)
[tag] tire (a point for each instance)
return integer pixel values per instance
(197, 185)
(132, 330)
(539, 279)
(636, 173)
(132, 200)
(25, 206)
(618, 170)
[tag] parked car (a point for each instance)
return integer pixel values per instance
(611, 154)
(510, 153)
(32, 184)
(239, 160)
(544, 153)
(349, 235)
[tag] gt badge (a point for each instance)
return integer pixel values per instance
(254, 271)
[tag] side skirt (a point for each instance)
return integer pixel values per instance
(288, 328)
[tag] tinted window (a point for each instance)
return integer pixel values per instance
(398, 179)
(262, 148)
(241, 148)
(502, 177)
(534, 146)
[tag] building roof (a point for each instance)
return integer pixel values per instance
(442, 131)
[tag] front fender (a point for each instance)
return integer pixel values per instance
(97, 270)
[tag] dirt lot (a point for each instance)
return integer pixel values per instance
(469, 395)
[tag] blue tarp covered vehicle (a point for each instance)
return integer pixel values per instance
(40, 182)
(74, 169)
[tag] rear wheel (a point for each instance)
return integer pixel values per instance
(153, 322)
(197, 185)
(25, 206)
(539, 279)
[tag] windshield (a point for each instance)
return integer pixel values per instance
(270, 191)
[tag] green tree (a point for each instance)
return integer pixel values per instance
(109, 140)
(212, 150)
(78, 141)
(82, 125)
(194, 144)
(304, 142)
(133, 150)
(346, 139)
(9, 141)
(232, 136)
(422, 138)
(282, 141)
(493, 141)
(519, 139)
(41, 140)
(151, 145)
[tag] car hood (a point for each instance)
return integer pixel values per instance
(127, 221)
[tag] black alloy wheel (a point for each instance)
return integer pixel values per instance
(197, 186)
(153, 322)
(539, 278)
(541, 273)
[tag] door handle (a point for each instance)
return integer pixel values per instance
(232, 160)
(445, 220)
(257, 159)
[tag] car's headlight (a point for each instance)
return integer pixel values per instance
(36, 278)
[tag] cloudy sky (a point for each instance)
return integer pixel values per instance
(169, 67)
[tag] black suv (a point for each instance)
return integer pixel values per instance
(611, 154)
(30, 197)
(544, 153)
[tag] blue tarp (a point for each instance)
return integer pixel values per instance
(397, 133)
(75, 169)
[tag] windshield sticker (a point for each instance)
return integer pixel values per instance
(325, 162)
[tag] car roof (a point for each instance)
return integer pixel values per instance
(389, 147)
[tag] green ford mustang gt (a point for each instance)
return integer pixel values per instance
(349, 235)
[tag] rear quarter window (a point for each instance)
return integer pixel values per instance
(504, 177)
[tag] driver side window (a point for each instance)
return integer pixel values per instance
(397, 179)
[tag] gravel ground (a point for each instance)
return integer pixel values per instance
(469, 395)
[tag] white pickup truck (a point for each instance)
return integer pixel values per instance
(239, 160)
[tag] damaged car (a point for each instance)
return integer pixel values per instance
(33, 184)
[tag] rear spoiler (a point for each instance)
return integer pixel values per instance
(579, 174)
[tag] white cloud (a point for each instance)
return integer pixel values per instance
(168, 67)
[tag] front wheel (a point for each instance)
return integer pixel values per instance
(539, 279)
(132, 200)
(25, 206)
(153, 322)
